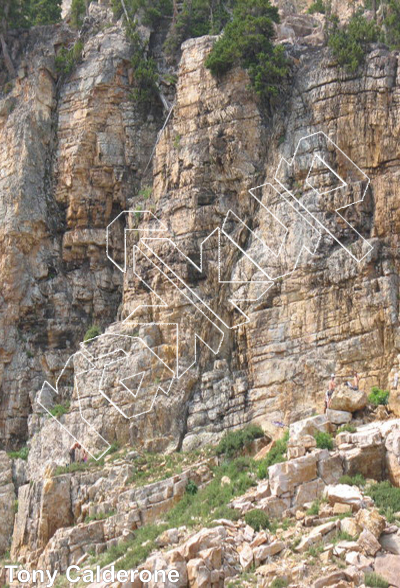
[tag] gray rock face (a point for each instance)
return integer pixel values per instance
(388, 566)
(391, 543)
(68, 169)
(101, 145)
(7, 502)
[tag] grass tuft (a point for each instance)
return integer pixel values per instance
(375, 581)
(324, 440)
(357, 480)
(257, 519)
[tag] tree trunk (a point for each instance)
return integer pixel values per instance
(374, 8)
(7, 59)
(126, 12)
(175, 16)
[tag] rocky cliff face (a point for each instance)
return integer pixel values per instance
(74, 158)
(70, 157)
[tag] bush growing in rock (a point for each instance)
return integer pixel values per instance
(59, 409)
(378, 396)
(314, 508)
(20, 454)
(191, 487)
(233, 441)
(114, 447)
(324, 440)
(385, 495)
(342, 536)
(92, 332)
(279, 583)
(257, 519)
(78, 11)
(392, 24)
(348, 428)
(275, 455)
(197, 18)
(67, 59)
(317, 6)
(146, 78)
(248, 41)
(152, 12)
(44, 12)
(350, 42)
(357, 480)
(375, 581)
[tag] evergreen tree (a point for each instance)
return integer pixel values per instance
(78, 12)
(13, 14)
(45, 12)
(248, 41)
(16, 14)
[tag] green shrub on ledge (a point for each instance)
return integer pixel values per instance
(248, 41)
(349, 43)
(375, 581)
(67, 59)
(257, 519)
(60, 409)
(317, 6)
(357, 480)
(20, 454)
(275, 455)
(92, 332)
(233, 441)
(348, 428)
(385, 495)
(324, 440)
(379, 397)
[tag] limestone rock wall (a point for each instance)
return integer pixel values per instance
(71, 151)
(73, 158)
(7, 501)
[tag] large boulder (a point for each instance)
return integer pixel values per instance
(338, 417)
(308, 492)
(368, 461)
(310, 426)
(368, 543)
(344, 494)
(348, 400)
(349, 525)
(285, 477)
(394, 402)
(363, 452)
(330, 467)
(43, 508)
(388, 566)
(204, 539)
(332, 579)
(372, 521)
(391, 543)
(393, 457)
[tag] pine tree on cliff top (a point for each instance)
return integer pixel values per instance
(43, 12)
(13, 14)
(16, 14)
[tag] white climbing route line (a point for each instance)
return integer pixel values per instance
(290, 226)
